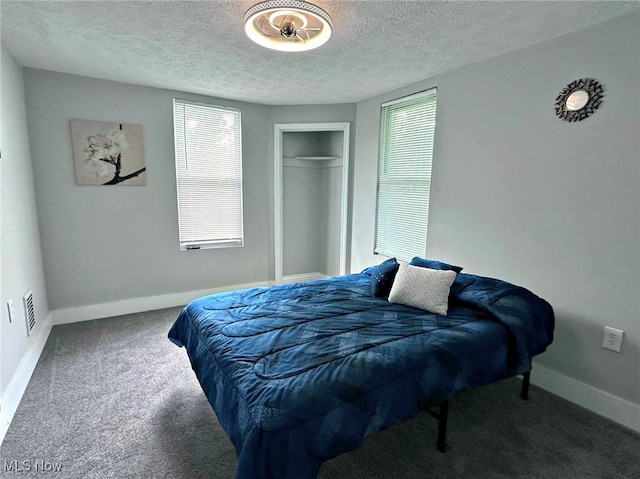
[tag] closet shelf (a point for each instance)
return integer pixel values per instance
(315, 158)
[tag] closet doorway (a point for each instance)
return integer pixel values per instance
(311, 196)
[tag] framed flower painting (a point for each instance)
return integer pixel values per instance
(108, 153)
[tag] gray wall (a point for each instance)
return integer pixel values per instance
(20, 254)
(331, 203)
(330, 215)
(301, 143)
(520, 195)
(103, 244)
(303, 244)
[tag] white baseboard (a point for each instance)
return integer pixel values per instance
(601, 402)
(300, 278)
(139, 305)
(21, 377)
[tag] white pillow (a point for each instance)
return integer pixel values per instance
(422, 288)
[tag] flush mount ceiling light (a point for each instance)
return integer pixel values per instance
(288, 26)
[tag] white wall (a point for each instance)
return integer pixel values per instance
(20, 253)
(106, 244)
(520, 195)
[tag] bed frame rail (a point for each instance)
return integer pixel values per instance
(443, 412)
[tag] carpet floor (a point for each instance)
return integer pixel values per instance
(115, 398)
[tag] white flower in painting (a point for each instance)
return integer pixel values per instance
(103, 151)
(106, 147)
(103, 170)
(100, 168)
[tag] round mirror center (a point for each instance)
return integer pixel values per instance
(577, 100)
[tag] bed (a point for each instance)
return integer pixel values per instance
(300, 373)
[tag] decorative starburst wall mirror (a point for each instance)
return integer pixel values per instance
(579, 99)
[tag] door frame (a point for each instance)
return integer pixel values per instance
(279, 130)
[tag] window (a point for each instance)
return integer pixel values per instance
(208, 142)
(407, 127)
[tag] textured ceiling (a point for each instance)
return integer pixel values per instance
(200, 47)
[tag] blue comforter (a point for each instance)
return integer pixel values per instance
(300, 373)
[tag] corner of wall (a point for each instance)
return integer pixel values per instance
(21, 250)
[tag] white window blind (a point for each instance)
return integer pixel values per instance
(208, 141)
(407, 128)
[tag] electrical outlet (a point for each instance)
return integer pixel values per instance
(11, 311)
(612, 339)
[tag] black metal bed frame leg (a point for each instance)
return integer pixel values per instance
(524, 392)
(442, 426)
(443, 413)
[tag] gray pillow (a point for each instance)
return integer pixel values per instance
(422, 288)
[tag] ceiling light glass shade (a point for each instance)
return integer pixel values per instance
(288, 26)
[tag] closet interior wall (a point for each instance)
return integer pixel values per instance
(312, 196)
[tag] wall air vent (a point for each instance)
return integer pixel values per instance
(29, 312)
